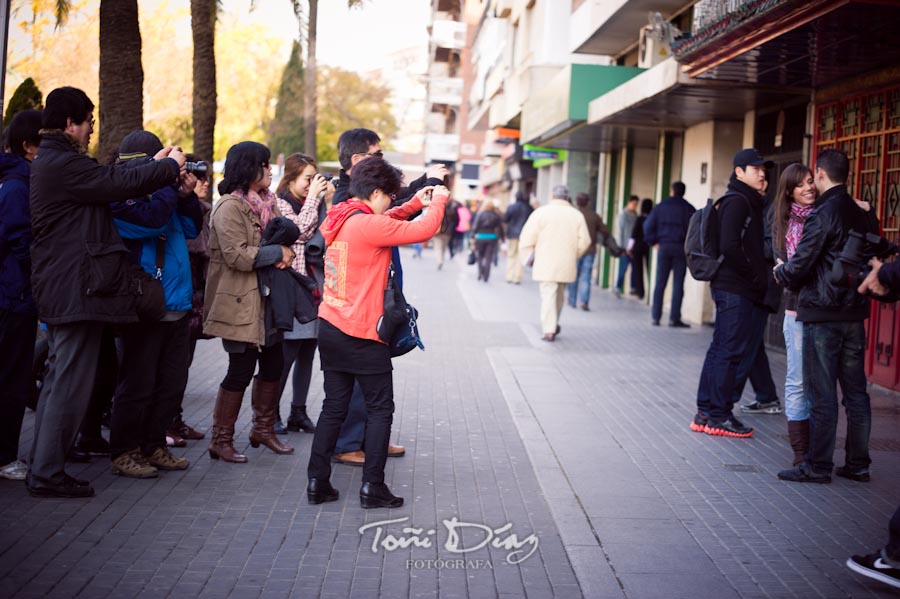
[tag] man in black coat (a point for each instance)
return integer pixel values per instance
(666, 227)
(79, 277)
(355, 146)
(738, 289)
(514, 218)
(834, 332)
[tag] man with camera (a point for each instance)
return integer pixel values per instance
(79, 273)
(834, 334)
(883, 564)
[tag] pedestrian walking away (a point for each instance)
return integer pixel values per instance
(558, 236)
(579, 291)
(514, 219)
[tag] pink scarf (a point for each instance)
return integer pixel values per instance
(262, 203)
(796, 220)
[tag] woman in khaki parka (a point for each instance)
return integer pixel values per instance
(233, 308)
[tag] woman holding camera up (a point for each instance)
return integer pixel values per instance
(360, 233)
(233, 308)
(300, 196)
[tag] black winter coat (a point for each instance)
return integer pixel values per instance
(743, 271)
(289, 294)
(516, 215)
(79, 263)
(824, 235)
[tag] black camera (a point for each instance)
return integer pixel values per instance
(198, 169)
(852, 266)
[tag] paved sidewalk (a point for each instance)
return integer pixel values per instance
(582, 443)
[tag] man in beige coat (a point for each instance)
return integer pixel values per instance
(558, 236)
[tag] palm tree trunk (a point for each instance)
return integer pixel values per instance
(309, 99)
(121, 74)
(203, 28)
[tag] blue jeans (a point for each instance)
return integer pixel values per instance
(670, 259)
(755, 363)
(580, 288)
(353, 430)
(832, 352)
(795, 405)
(715, 393)
(624, 261)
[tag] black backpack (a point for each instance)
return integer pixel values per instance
(701, 245)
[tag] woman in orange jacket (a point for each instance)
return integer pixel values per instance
(359, 234)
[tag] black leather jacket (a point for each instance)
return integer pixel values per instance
(826, 231)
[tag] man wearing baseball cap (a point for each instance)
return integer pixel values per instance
(738, 289)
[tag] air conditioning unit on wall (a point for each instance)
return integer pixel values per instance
(651, 51)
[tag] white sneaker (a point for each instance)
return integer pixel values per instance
(14, 470)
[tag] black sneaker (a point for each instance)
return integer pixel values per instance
(70, 488)
(698, 424)
(769, 407)
(876, 568)
(804, 474)
(678, 324)
(860, 476)
(730, 427)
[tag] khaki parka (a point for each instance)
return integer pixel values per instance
(234, 308)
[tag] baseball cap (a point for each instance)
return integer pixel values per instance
(138, 144)
(751, 157)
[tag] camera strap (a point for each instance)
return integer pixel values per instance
(160, 256)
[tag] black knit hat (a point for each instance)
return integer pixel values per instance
(138, 144)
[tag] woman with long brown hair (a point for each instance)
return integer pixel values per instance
(300, 196)
(794, 200)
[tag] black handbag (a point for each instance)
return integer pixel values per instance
(472, 259)
(149, 297)
(397, 326)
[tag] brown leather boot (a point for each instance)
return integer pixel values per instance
(228, 404)
(264, 398)
(798, 433)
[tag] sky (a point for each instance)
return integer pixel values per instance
(355, 40)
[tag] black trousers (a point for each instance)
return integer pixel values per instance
(378, 390)
(300, 354)
(485, 250)
(17, 336)
(152, 379)
(242, 365)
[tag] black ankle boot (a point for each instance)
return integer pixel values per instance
(320, 491)
(373, 495)
(278, 426)
(299, 421)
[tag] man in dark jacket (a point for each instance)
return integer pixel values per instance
(514, 218)
(580, 289)
(667, 227)
(354, 146)
(18, 315)
(738, 289)
(79, 266)
(834, 333)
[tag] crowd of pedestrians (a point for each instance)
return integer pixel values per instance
(128, 264)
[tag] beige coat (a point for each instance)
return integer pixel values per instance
(558, 235)
(233, 308)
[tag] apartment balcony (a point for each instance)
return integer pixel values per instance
(445, 90)
(610, 26)
(441, 147)
(448, 34)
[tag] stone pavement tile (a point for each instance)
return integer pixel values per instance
(676, 586)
